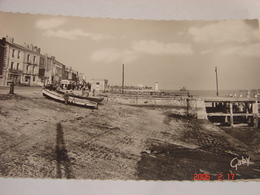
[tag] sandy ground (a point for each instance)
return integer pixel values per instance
(42, 138)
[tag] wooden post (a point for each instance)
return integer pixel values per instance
(231, 114)
(255, 113)
(123, 79)
(255, 120)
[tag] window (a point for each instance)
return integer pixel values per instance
(13, 52)
(18, 55)
(10, 77)
(28, 58)
(18, 66)
(33, 78)
(33, 70)
(27, 67)
(34, 59)
(42, 62)
(27, 79)
(12, 65)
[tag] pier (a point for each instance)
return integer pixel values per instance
(232, 111)
(224, 111)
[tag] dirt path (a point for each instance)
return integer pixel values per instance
(41, 138)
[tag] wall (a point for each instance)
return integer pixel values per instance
(148, 100)
(195, 106)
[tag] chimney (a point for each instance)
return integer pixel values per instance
(10, 39)
(26, 45)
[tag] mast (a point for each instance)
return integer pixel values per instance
(123, 79)
(216, 70)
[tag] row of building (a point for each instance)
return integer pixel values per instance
(25, 65)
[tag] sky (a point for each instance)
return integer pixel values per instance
(174, 53)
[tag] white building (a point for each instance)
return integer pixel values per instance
(99, 84)
(156, 86)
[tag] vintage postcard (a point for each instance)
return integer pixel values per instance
(124, 99)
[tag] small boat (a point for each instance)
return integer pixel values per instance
(90, 98)
(72, 100)
(183, 89)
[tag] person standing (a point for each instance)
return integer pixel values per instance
(11, 88)
(83, 91)
(66, 97)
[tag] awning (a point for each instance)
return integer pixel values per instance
(65, 82)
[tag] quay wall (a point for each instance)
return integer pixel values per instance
(148, 100)
(195, 106)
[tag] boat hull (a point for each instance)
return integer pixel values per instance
(71, 100)
(95, 99)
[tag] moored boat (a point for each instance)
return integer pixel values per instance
(90, 98)
(183, 89)
(71, 100)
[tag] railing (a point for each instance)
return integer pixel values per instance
(31, 72)
(15, 71)
(227, 110)
(29, 62)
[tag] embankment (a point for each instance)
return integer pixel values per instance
(195, 107)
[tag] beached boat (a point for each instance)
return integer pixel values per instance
(90, 98)
(71, 100)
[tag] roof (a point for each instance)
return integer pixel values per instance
(22, 47)
(99, 80)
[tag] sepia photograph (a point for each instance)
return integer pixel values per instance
(117, 99)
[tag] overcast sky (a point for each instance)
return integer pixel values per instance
(174, 53)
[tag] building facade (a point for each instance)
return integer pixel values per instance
(19, 64)
(12, 62)
(2, 60)
(31, 64)
(25, 65)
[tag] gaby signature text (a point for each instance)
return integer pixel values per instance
(235, 162)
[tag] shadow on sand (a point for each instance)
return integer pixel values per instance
(62, 158)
